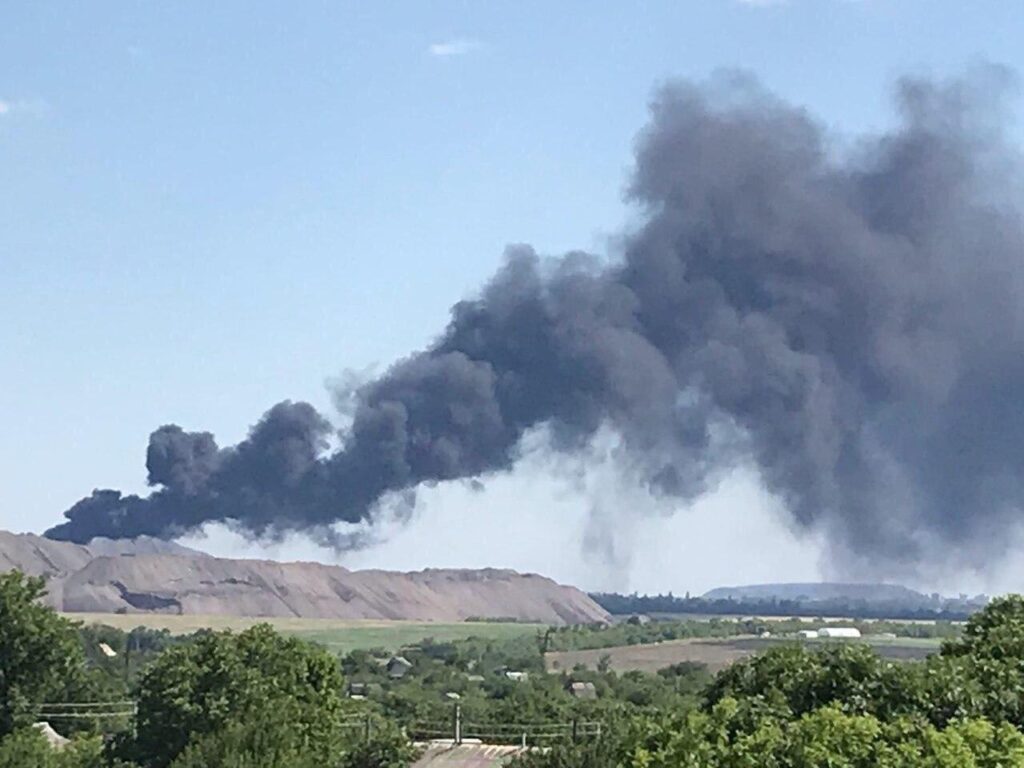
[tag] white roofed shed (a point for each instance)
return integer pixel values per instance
(837, 633)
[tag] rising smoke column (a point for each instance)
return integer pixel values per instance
(853, 321)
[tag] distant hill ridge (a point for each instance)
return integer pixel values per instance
(859, 600)
(150, 575)
(812, 592)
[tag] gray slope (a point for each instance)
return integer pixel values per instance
(152, 576)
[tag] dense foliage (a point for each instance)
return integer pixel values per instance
(842, 706)
(269, 739)
(733, 734)
(221, 678)
(41, 658)
(27, 747)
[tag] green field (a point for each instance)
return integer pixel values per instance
(340, 635)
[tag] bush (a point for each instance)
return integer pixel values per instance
(28, 748)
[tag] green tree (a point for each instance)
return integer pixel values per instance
(834, 738)
(995, 633)
(265, 739)
(802, 680)
(990, 653)
(41, 659)
(269, 739)
(975, 744)
(387, 747)
(25, 747)
(224, 678)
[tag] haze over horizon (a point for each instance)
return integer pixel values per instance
(240, 244)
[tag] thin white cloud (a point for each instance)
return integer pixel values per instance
(8, 107)
(454, 48)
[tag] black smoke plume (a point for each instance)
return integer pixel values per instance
(853, 316)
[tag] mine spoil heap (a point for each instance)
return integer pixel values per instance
(152, 576)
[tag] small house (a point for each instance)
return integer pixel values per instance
(107, 651)
(362, 690)
(397, 666)
(580, 690)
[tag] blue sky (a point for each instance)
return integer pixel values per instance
(209, 207)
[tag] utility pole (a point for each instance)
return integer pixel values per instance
(127, 659)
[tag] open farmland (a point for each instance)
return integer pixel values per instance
(715, 653)
(768, 617)
(340, 635)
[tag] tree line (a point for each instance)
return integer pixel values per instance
(942, 609)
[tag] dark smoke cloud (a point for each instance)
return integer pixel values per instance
(854, 319)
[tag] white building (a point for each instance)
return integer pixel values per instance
(845, 633)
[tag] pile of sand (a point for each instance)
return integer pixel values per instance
(153, 576)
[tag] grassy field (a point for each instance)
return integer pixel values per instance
(340, 635)
(344, 635)
(716, 654)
